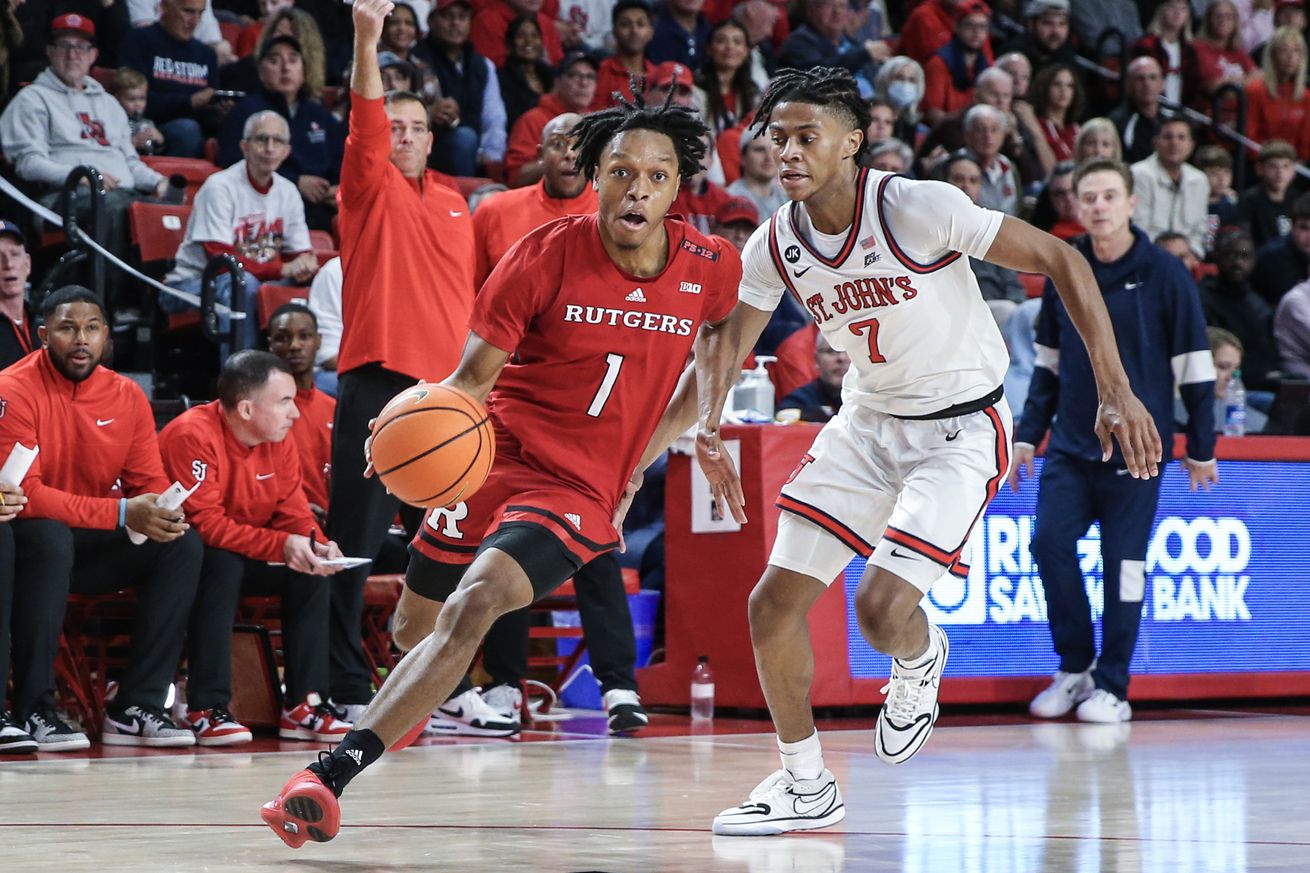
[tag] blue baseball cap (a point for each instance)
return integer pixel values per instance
(11, 229)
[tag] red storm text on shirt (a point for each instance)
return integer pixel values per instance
(258, 239)
(861, 294)
(651, 321)
(186, 72)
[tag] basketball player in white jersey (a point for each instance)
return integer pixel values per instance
(921, 444)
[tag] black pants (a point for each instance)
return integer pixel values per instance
(361, 512)
(54, 560)
(6, 603)
(306, 602)
(1072, 494)
(606, 620)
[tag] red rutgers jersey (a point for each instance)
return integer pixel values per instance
(596, 352)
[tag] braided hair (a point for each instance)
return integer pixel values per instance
(830, 88)
(597, 130)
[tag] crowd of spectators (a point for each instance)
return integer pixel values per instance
(1003, 101)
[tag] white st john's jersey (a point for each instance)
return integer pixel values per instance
(894, 292)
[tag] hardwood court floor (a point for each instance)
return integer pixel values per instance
(1225, 794)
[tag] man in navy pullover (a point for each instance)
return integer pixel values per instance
(182, 73)
(1160, 329)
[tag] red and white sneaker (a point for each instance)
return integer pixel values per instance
(312, 720)
(217, 727)
(305, 809)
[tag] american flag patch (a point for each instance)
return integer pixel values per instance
(868, 242)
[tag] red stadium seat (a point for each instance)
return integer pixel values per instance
(272, 295)
(158, 229)
(230, 31)
(565, 598)
(194, 170)
(321, 241)
(103, 75)
(1032, 283)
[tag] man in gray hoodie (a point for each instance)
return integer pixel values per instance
(65, 119)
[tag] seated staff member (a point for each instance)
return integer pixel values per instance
(293, 336)
(259, 536)
(18, 337)
(98, 472)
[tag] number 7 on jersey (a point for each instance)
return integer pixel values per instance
(871, 325)
(613, 363)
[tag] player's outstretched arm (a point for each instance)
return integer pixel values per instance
(478, 369)
(1020, 246)
(719, 355)
(366, 78)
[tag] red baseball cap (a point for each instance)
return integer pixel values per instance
(670, 73)
(972, 7)
(737, 209)
(446, 4)
(73, 23)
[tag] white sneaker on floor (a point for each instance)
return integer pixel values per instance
(507, 700)
(1104, 708)
(14, 739)
(350, 713)
(1065, 692)
(910, 711)
(782, 803)
(469, 715)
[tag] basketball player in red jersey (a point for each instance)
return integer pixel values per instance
(577, 341)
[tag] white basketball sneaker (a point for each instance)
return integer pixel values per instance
(1066, 691)
(469, 715)
(782, 803)
(1104, 708)
(910, 711)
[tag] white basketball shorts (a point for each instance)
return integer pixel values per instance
(903, 494)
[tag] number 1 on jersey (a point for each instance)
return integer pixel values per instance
(613, 362)
(871, 325)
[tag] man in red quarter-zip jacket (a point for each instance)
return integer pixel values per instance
(251, 512)
(97, 474)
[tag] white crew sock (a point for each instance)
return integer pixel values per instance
(803, 760)
(917, 668)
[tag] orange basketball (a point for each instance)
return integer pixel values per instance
(433, 445)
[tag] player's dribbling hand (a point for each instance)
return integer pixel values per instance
(716, 463)
(368, 450)
(1022, 468)
(12, 501)
(1124, 416)
(625, 503)
(1203, 474)
(369, 16)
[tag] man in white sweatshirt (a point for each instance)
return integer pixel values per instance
(65, 119)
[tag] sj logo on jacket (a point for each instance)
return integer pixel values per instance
(257, 238)
(93, 129)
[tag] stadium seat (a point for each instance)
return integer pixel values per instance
(230, 31)
(323, 246)
(1032, 283)
(103, 75)
(272, 295)
(564, 598)
(194, 170)
(381, 595)
(158, 229)
(97, 637)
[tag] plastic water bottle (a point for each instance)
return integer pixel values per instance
(1235, 407)
(754, 393)
(702, 691)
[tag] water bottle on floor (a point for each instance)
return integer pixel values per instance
(1235, 406)
(702, 691)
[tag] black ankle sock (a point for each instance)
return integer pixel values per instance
(357, 750)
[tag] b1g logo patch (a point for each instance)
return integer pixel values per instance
(793, 254)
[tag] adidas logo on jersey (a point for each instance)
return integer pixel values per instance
(636, 297)
(574, 519)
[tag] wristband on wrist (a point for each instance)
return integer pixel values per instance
(122, 512)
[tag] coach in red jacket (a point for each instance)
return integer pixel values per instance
(260, 537)
(98, 472)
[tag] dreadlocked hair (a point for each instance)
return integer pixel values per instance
(680, 124)
(831, 88)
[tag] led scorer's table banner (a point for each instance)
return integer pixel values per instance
(1227, 602)
(1226, 586)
